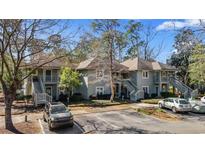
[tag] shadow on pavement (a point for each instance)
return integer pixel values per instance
(62, 130)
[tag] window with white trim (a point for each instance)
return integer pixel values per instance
(145, 74)
(99, 74)
(146, 89)
(100, 90)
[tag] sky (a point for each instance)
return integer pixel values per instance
(166, 28)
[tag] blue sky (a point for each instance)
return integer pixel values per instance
(166, 31)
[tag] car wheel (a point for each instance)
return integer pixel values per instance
(160, 106)
(174, 109)
(71, 125)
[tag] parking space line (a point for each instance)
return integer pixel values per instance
(42, 130)
(79, 126)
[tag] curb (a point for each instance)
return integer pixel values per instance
(79, 127)
(42, 130)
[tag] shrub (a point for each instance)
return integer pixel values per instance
(100, 97)
(93, 97)
(104, 96)
(167, 94)
(23, 97)
(153, 95)
(146, 95)
(76, 97)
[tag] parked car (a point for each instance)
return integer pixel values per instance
(203, 99)
(57, 114)
(175, 104)
(197, 106)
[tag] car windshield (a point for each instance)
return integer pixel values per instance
(183, 102)
(58, 109)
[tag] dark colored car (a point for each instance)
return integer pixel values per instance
(57, 114)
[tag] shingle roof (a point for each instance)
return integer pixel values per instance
(93, 63)
(49, 61)
(140, 64)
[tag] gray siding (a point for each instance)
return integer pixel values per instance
(90, 82)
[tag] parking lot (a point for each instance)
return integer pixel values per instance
(124, 119)
(64, 130)
(129, 121)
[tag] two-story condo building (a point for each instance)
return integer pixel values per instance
(133, 79)
(150, 76)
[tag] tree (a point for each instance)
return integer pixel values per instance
(149, 35)
(134, 41)
(108, 29)
(88, 46)
(20, 42)
(69, 79)
(197, 65)
(185, 42)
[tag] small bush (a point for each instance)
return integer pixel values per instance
(100, 97)
(93, 97)
(104, 96)
(23, 97)
(146, 95)
(76, 97)
(153, 95)
(167, 94)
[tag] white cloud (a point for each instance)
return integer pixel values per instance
(167, 25)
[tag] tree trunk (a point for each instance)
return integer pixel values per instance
(111, 74)
(112, 87)
(8, 117)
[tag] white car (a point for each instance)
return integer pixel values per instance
(203, 99)
(175, 104)
(197, 106)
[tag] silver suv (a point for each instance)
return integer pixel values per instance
(57, 114)
(175, 104)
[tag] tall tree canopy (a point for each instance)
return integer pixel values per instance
(197, 65)
(185, 42)
(133, 38)
(109, 34)
(21, 41)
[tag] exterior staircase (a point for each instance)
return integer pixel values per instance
(39, 94)
(135, 93)
(183, 88)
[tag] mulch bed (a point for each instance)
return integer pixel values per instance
(31, 127)
(20, 107)
(159, 113)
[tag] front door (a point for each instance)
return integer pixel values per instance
(157, 90)
(49, 90)
(117, 90)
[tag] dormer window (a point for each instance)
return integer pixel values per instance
(145, 74)
(99, 74)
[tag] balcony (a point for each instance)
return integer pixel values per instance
(164, 79)
(49, 78)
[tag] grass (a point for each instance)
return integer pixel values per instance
(158, 113)
(151, 101)
(150, 111)
(97, 103)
